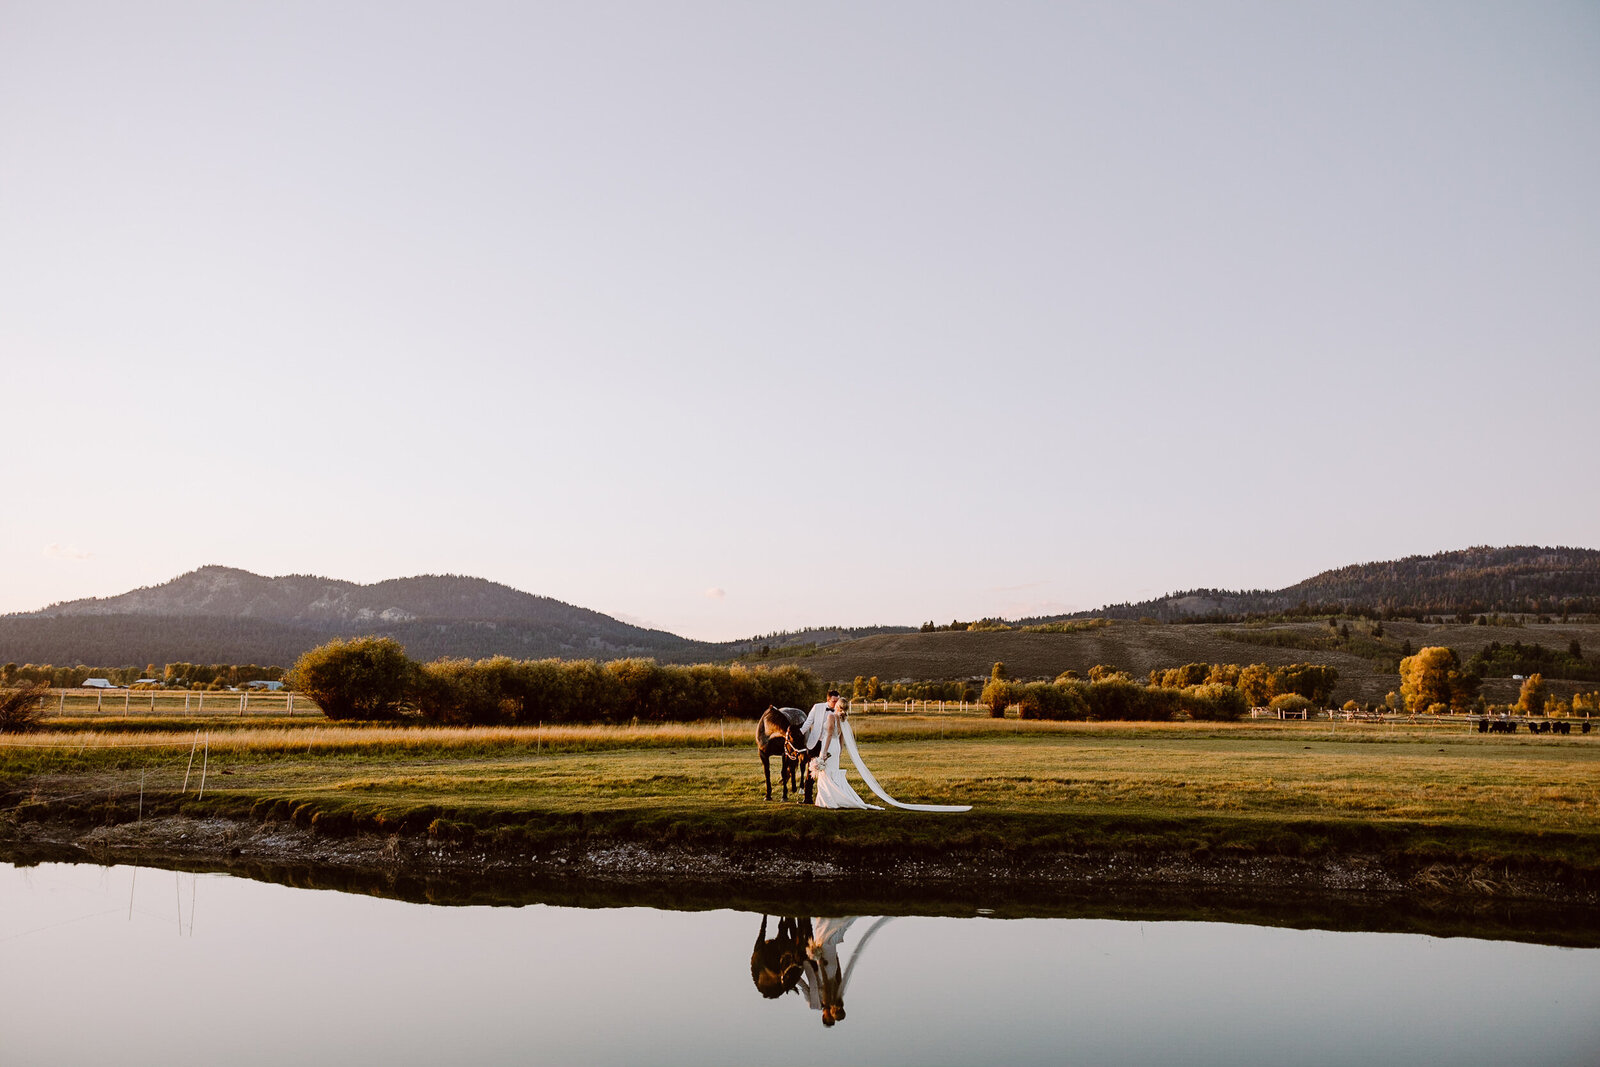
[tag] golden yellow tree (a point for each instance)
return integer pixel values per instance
(1425, 677)
(1531, 700)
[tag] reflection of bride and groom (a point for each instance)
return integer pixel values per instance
(804, 957)
(826, 731)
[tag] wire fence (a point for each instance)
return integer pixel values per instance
(240, 703)
(915, 707)
(156, 776)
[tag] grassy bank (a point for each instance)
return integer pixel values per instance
(1414, 794)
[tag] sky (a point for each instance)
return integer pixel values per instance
(728, 318)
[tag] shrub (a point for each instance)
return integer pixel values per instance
(1290, 702)
(1116, 698)
(1052, 700)
(460, 692)
(999, 694)
(363, 678)
(1212, 702)
(503, 690)
(21, 708)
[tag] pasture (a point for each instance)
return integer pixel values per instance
(1425, 790)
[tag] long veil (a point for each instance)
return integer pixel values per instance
(872, 783)
(861, 947)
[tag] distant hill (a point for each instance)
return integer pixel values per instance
(227, 615)
(1366, 665)
(1516, 579)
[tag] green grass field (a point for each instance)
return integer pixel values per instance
(1424, 791)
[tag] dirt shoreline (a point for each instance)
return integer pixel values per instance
(1346, 891)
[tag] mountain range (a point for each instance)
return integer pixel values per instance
(226, 615)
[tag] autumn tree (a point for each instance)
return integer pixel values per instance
(1255, 682)
(1425, 677)
(1531, 700)
(998, 692)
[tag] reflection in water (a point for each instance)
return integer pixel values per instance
(363, 979)
(804, 957)
(775, 965)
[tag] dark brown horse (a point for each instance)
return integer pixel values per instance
(778, 734)
(776, 965)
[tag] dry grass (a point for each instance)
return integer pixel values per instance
(263, 739)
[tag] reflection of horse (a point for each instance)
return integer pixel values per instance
(775, 965)
(778, 734)
(804, 958)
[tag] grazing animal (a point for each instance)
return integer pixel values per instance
(778, 734)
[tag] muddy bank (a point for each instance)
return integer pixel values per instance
(1365, 892)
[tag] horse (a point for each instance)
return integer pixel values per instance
(776, 965)
(778, 734)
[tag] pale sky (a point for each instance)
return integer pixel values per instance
(728, 318)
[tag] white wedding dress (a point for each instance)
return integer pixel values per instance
(823, 981)
(833, 789)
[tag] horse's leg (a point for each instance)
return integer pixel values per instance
(766, 769)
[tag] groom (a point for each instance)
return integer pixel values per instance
(817, 722)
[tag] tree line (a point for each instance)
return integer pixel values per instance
(1208, 691)
(1496, 660)
(373, 678)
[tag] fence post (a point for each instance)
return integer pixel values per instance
(204, 763)
(189, 768)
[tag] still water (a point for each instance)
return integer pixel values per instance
(123, 965)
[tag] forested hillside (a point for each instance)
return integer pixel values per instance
(1518, 579)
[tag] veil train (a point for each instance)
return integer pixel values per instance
(872, 783)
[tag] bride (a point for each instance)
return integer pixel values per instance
(828, 725)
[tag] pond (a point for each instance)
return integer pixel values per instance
(133, 965)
